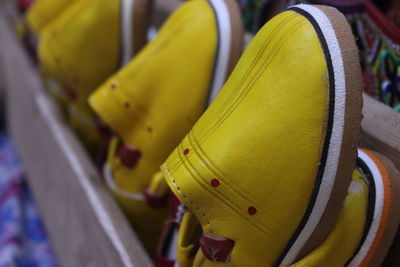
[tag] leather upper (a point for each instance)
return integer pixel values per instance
(261, 139)
(43, 12)
(154, 101)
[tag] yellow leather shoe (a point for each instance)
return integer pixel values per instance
(266, 168)
(84, 46)
(362, 234)
(154, 101)
(39, 14)
(369, 219)
(43, 12)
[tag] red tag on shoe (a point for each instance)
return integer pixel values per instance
(216, 248)
(155, 201)
(129, 155)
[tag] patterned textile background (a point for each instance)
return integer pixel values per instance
(23, 240)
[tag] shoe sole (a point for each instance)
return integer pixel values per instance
(342, 132)
(384, 209)
(230, 41)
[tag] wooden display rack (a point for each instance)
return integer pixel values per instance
(85, 225)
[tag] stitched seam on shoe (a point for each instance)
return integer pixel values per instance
(196, 176)
(236, 103)
(244, 92)
(212, 168)
(246, 89)
(187, 199)
(241, 93)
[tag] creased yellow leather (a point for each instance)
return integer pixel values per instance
(155, 100)
(80, 50)
(262, 139)
(343, 241)
(43, 12)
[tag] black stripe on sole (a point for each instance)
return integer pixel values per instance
(325, 149)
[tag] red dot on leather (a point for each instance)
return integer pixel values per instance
(252, 210)
(114, 85)
(129, 155)
(215, 182)
(186, 151)
(127, 105)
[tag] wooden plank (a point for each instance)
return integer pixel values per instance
(85, 225)
(381, 129)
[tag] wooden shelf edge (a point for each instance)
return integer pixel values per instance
(85, 225)
(381, 129)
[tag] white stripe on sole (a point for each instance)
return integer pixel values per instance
(332, 161)
(224, 47)
(379, 203)
(127, 35)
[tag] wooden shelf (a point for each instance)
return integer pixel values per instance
(381, 129)
(85, 225)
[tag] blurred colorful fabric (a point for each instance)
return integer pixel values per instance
(376, 24)
(23, 240)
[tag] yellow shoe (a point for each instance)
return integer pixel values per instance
(154, 101)
(38, 14)
(268, 165)
(361, 237)
(43, 12)
(84, 46)
(368, 222)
